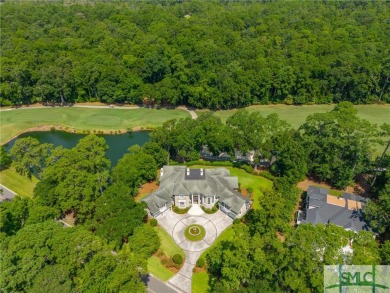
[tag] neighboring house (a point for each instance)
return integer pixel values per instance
(209, 156)
(248, 158)
(184, 187)
(344, 211)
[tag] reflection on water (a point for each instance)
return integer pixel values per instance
(118, 144)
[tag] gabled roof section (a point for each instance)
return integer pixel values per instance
(344, 211)
(178, 180)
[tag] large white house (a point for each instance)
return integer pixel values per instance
(183, 187)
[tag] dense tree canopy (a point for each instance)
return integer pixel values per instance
(45, 257)
(134, 169)
(73, 179)
(29, 155)
(5, 158)
(339, 144)
(377, 211)
(215, 54)
(117, 215)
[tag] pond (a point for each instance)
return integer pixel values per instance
(117, 143)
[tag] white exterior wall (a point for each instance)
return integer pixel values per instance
(243, 211)
(185, 199)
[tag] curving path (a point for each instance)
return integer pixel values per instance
(175, 224)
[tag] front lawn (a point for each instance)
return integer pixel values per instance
(169, 248)
(168, 245)
(200, 282)
(158, 270)
(22, 185)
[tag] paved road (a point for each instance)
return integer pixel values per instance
(157, 286)
(7, 193)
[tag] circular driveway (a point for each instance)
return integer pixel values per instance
(183, 242)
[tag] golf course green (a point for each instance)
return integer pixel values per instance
(13, 122)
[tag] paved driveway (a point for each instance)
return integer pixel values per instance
(6, 194)
(175, 224)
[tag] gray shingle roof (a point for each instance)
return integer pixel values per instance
(319, 210)
(214, 182)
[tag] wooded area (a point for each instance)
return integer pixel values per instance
(213, 54)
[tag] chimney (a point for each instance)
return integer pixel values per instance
(161, 172)
(188, 171)
(201, 172)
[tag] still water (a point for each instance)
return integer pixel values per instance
(118, 144)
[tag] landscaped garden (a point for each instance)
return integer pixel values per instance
(162, 264)
(194, 232)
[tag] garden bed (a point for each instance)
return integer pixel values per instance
(194, 232)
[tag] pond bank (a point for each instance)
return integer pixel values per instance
(118, 144)
(46, 128)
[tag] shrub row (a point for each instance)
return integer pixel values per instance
(178, 210)
(210, 211)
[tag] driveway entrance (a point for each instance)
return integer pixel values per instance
(175, 225)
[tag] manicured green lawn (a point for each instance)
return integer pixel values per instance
(194, 232)
(200, 282)
(296, 115)
(168, 245)
(14, 122)
(22, 185)
(257, 183)
(158, 270)
(226, 235)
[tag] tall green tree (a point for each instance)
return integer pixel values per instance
(75, 178)
(339, 144)
(134, 169)
(117, 215)
(5, 159)
(29, 155)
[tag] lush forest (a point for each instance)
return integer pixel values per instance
(108, 248)
(214, 54)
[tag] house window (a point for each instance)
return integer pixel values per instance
(182, 204)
